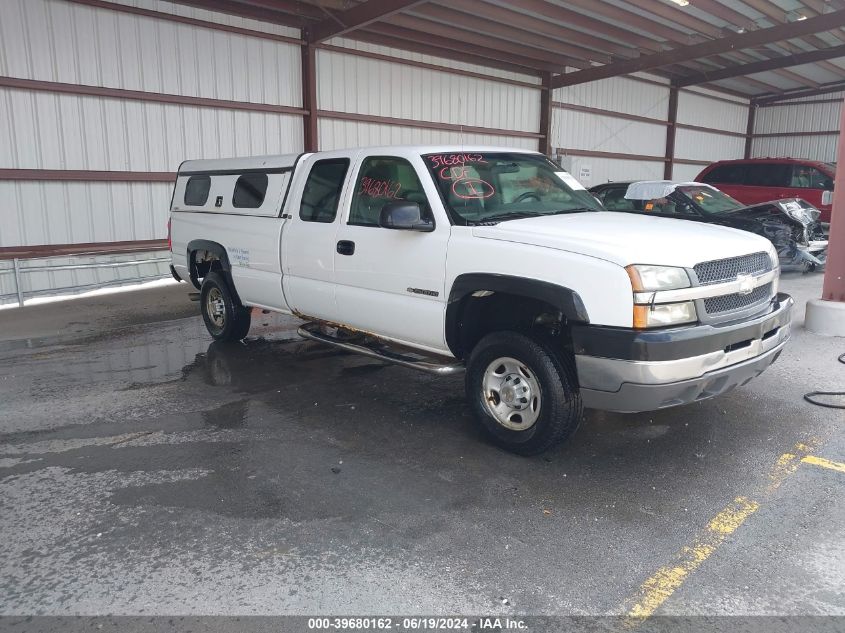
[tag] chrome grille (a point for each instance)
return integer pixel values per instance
(729, 303)
(719, 270)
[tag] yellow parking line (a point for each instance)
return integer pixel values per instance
(660, 586)
(654, 591)
(824, 463)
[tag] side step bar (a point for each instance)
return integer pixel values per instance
(376, 349)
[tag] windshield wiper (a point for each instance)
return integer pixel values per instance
(573, 210)
(519, 215)
(511, 215)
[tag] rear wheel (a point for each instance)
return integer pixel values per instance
(523, 391)
(225, 318)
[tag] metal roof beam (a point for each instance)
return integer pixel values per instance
(536, 25)
(428, 29)
(705, 49)
(837, 86)
(357, 17)
(479, 23)
(582, 21)
(480, 57)
(245, 10)
(785, 61)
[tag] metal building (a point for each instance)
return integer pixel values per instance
(100, 100)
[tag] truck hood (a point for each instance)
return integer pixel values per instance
(626, 239)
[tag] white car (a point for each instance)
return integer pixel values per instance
(489, 260)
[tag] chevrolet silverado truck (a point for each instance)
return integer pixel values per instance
(490, 261)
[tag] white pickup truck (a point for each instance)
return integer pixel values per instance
(489, 260)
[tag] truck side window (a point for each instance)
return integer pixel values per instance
(322, 190)
(196, 191)
(250, 190)
(384, 179)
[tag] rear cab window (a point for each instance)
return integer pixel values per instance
(323, 187)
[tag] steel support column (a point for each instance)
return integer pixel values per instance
(546, 145)
(309, 98)
(834, 274)
(672, 119)
(749, 129)
(827, 314)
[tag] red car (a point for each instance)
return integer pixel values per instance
(756, 180)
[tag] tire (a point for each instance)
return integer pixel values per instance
(523, 392)
(225, 319)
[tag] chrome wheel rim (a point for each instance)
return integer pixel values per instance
(511, 393)
(215, 307)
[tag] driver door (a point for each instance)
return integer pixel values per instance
(391, 282)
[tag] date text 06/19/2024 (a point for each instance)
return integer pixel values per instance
(416, 623)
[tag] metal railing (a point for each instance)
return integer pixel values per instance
(18, 270)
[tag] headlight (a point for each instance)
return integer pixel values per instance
(773, 256)
(663, 314)
(647, 278)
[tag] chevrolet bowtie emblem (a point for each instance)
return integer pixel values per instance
(746, 284)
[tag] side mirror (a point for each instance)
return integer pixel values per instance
(404, 215)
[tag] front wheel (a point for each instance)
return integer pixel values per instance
(523, 392)
(225, 318)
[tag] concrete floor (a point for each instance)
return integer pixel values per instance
(146, 470)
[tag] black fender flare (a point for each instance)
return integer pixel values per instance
(220, 251)
(564, 299)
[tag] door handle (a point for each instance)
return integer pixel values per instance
(346, 247)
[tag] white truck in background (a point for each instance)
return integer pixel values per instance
(489, 260)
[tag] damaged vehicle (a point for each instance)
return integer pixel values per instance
(791, 224)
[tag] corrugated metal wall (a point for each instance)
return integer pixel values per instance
(69, 43)
(725, 121)
(364, 98)
(800, 116)
(378, 88)
(590, 132)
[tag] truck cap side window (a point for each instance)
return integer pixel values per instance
(250, 190)
(322, 190)
(384, 179)
(196, 191)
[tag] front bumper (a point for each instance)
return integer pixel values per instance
(636, 370)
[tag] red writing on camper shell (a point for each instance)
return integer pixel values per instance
(448, 160)
(379, 188)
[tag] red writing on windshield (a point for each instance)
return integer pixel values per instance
(472, 189)
(453, 173)
(455, 159)
(379, 188)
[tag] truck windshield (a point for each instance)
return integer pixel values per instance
(710, 200)
(496, 186)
